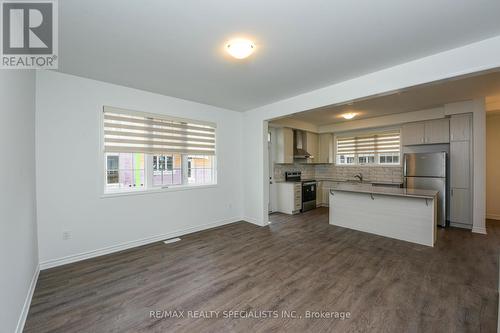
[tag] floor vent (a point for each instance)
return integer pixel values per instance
(173, 240)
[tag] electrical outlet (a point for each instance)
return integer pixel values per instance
(66, 235)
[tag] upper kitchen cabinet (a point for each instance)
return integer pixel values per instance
(325, 149)
(437, 131)
(426, 132)
(460, 128)
(311, 145)
(284, 145)
(413, 134)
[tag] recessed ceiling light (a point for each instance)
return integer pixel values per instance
(349, 115)
(240, 48)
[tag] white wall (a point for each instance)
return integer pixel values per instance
(69, 173)
(468, 59)
(493, 166)
(18, 243)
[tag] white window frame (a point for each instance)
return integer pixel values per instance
(377, 156)
(148, 170)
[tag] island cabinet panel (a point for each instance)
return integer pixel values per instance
(405, 218)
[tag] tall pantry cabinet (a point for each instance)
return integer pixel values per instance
(461, 165)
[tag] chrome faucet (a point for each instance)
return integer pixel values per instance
(359, 176)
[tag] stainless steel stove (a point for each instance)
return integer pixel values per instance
(308, 189)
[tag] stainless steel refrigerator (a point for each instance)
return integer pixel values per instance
(428, 171)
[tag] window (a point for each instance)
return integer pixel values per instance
(144, 151)
(200, 169)
(369, 149)
(125, 171)
(389, 159)
(167, 170)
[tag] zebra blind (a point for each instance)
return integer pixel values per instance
(373, 144)
(136, 132)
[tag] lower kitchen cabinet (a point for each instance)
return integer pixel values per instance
(289, 197)
(460, 208)
(323, 192)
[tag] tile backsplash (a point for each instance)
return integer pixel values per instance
(308, 171)
(331, 171)
(373, 173)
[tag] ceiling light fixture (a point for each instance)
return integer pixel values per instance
(349, 115)
(240, 48)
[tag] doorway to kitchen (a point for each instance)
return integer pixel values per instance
(272, 204)
(493, 162)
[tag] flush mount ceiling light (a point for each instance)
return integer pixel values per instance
(240, 48)
(349, 115)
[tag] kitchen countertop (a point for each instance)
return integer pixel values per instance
(367, 182)
(360, 183)
(394, 191)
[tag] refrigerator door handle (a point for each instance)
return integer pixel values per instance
(405, 166)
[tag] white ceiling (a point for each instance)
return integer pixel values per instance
(175, 47)
(412, 99)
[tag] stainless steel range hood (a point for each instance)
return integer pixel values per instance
(299, 145)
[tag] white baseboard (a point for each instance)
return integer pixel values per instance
(27, 301)
(127, 245)
(493, 216)
(253, 221)
(479, 230)
(460, 225)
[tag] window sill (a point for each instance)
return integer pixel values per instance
(157, 190)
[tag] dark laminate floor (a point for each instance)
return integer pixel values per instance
(298, 263)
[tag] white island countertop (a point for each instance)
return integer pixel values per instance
(394, 191)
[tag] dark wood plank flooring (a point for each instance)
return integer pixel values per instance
(299, 263)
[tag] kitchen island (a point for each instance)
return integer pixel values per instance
(400, 213)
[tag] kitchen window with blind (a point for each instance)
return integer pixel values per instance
(147, 151)
(381, 148)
